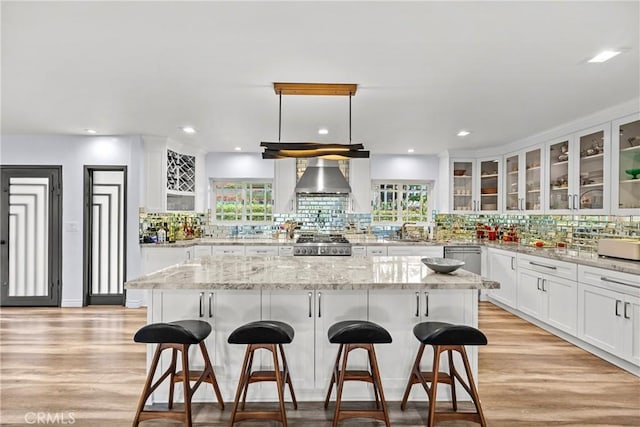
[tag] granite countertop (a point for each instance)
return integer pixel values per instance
(589, 259)
(307, 273)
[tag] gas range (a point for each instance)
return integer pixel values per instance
(322, 244)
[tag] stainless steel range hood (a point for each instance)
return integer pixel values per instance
(322, 176)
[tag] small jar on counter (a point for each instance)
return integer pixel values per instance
(561, 248)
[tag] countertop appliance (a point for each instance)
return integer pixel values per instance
(471, 256)
(322, 244)
(620, 248)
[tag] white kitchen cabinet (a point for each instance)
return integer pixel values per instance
(228, 250)
(578, 174)
(476, 185)
(221, 310)
(358, 251)
(376, 251)
(285, 251)
(523, 178)
(544, 266)
(609, 311)
(398, 312)
(548, 298)
(360, 182)
(261, 250)
(415, 250)
(201, 250)
(625, 188)
(502, 269)
(284, 186)
(155, 258)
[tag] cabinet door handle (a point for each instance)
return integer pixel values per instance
(538, 284)
(543, 282)
(512, 262)
(200, 306)
(310, 302)
(618, 307)
(261, 252)
(575, 202)
(319, 304)
(626, 304)
(210, 309)
(522, 204)
(606, 279)
(570, 201)
(426, 304)
(552, 267)
(417, 304)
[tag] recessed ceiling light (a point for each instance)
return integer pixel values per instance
(323, 131)
(463, 133)
(238, 148)
(410, 150)
(188, 129)
(605, 55)
(91, 131)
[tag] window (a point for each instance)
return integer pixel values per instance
(400, 201)
(242, 201)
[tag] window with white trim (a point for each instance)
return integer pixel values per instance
(400, 201)
(242, 200)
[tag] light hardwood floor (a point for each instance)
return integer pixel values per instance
(82, 363)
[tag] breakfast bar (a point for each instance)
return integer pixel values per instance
(312, 293)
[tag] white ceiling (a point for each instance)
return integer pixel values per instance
(425, 70)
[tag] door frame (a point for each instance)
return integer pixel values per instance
(87, 298)
(55, 241)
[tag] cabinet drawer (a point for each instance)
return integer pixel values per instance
(609, 279)
(358, 251)
(228, 250)
(376, 251)
(285, 250)
(548, 266)
(260, 250)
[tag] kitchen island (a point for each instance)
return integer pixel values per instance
(311, 293)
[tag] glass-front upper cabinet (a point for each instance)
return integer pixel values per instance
(475, 185)
(626, 165)
(523, 181)
(578, 172)
(462, 189)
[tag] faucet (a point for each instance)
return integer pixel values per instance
(403, 229)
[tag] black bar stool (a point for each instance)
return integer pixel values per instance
(446, 337)
(268, 335)
(177, 336)
(351, 335)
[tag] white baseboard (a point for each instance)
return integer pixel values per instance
(71, 303)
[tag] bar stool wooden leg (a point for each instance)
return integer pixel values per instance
(172, 367)
(375, 385)
(147, 385)
(287, 379)
(280, 383)
(472, 386)
(414, 378)
(246, 383)
(340, 384)
(209, 372)
(452, 372)
(334, 376)
(241, 383)
(377, 381)
(186, 385)
(434, 386)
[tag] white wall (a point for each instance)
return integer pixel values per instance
(238, 165)
(73, 153)
(389, 166)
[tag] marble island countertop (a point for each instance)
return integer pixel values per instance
(307, 273)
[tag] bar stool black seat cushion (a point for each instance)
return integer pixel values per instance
(262, 332)
(179, 332)
(358, 332)
(441, 333)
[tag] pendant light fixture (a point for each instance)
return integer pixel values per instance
(282, 150)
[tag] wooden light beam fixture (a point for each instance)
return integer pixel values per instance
(282, 150)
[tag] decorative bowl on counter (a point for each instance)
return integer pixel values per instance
(442, 265)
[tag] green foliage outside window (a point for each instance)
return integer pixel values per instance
(400, 202)
(243, 201)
